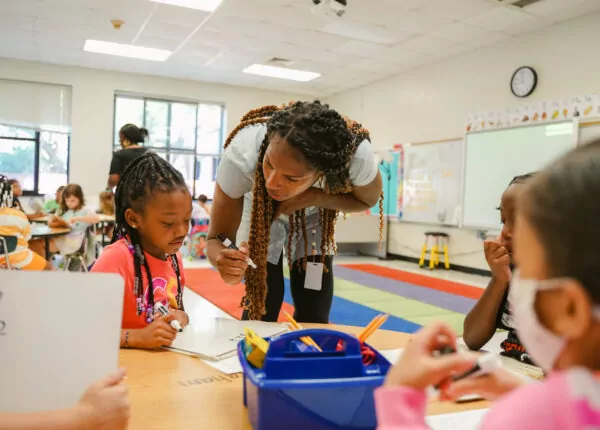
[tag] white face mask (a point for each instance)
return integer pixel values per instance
(541, 344)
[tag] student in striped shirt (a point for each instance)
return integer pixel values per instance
(14, 222)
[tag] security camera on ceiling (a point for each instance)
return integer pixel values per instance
(329, 9)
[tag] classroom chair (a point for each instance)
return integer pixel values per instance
(437, 238)
(8, 244)
(84, 256)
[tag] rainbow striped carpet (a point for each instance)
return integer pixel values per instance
(361, 292)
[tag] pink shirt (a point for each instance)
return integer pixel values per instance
(567, 400)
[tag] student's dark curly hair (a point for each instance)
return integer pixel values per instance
(145, 176)
(328, 142)
(562, 207)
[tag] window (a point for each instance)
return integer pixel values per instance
(38, 159)
(188, 135)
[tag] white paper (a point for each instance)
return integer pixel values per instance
(216, 339)
(228, 366)
(469, 420)
(314, 276)
(392, 355)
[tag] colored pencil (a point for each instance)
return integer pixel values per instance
(307, 340)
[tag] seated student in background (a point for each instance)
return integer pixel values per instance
(13, 222)
(153, 211)
(104, 406)
(491, 311)
(52, 205)
(555, 303)
(107, 203)
(18, 192)
(72, 214)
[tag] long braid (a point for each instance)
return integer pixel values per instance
(328, 142)
(142, 178)
(291, 240)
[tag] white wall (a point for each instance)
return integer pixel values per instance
(93, 105)
(433, 103)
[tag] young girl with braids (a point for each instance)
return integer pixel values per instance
(153, 208)
(285, 174)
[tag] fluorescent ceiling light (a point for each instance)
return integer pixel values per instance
(122, 50)
(204, 5)
(281, 73)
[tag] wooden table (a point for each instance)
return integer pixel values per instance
(46, 233)
(174, 391)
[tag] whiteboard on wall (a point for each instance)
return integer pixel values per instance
(432, 182)
(494, 158)
(589, 130)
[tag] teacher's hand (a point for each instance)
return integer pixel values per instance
(308, 198)
(232, 263)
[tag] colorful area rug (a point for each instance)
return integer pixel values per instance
(361, 292)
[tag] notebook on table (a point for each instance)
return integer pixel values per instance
(59, 333)
(216, 339)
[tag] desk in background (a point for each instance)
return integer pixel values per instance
(174, 391)
(44, 232)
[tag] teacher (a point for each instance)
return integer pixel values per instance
(130, 137)
(285, 174)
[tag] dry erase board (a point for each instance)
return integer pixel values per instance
(589, 130)
(432, 182)
(493, 158)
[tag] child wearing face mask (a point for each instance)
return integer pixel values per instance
(555, 303)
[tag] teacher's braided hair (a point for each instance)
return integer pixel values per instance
(145, 176)
(328, 142)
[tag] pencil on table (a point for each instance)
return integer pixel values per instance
(307, 340)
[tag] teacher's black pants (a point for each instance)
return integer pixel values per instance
(310, 306)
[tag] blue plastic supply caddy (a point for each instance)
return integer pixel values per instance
(301, 388)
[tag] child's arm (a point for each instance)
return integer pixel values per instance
(67, 419)
(104, 405)
(401, 402)
(158, 333)
(92, 218)
(57, 222)
(480, 322)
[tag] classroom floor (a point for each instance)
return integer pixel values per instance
(367, 286)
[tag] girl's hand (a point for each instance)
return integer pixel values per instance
(105, 405)
(156, 334)
(232, 263)
(419, 367)
(308, 198)
(489, 387)
(181, 316)
(498, 259)
(73, 220)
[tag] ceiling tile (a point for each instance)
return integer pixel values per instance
(421, 23)
(366, 32)
(426, 44)
(399, 55)
(454, 51)
(459, 33)
(500, 18)
(379, 12)
(457, 9)
(360, 48)
(529, 26)
(572, 9)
